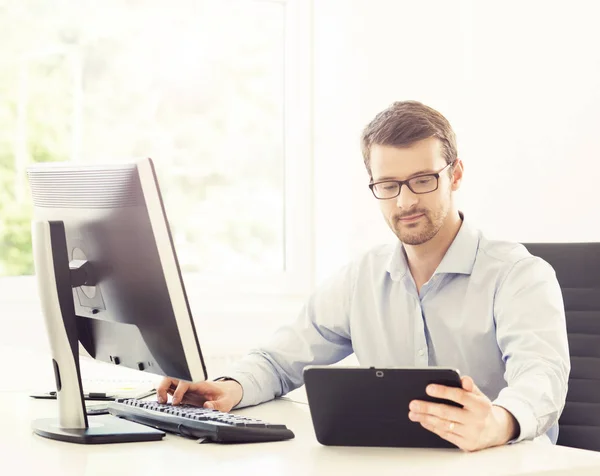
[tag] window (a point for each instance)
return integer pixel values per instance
(215, 91)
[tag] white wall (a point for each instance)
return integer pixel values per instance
(519, 81)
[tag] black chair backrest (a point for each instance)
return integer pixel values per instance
(577, 267)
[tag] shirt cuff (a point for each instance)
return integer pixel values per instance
(523, 413)
(248, 396)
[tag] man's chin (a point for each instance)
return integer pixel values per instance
(413, 239)
(417, 233)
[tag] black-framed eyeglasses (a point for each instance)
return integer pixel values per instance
(426, 183)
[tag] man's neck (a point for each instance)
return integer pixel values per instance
(424, 259)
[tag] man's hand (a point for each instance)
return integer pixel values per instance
(222, 396)
(477, 425)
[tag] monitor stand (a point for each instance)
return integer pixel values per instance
(56, 280)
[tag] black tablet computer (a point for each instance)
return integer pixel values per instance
(368, 406)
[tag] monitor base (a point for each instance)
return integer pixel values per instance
(102, 429)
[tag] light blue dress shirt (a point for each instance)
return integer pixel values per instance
(491, 310)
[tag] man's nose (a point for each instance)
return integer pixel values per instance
(407, 199)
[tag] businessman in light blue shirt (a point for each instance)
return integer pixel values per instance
(444, 295)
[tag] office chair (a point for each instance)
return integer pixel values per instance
(577, 267)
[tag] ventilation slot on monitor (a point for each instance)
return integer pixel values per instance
(64, 188)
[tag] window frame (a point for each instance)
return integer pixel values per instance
(296, 281)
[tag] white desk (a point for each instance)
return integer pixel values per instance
(24, 453)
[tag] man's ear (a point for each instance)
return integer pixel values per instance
(457, 174)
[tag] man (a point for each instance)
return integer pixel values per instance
(443, 296)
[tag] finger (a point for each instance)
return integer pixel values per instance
(458, 395)
(191, 399)
(445, 412)
(222, 404)
(163, 389)
(182, 388)
(453, 438)
(198, 394)
(219, 405)
(469, 385)
(443, 425)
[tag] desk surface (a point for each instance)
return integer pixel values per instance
(21, 450)
(27, 453)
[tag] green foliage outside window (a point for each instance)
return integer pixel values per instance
(210, 114)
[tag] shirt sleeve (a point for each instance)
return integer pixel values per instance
(320, 335)
(531, 333)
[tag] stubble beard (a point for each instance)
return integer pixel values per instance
(421, 232)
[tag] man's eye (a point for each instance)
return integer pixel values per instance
(423, 180)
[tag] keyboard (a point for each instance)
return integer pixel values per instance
(197, 422)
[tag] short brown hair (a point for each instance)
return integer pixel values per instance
(404, 123)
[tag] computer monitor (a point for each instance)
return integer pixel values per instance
(108, 279)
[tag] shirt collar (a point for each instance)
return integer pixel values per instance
(459, 259)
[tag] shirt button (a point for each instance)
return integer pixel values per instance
(421, 352)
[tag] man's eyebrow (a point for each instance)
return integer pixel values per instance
(420, 172)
